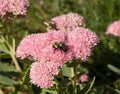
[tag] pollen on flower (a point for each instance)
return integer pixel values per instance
(114, 28)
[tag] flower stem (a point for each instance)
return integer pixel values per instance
(74, 80)
(12, 54)
(61, 75)
(15, 62)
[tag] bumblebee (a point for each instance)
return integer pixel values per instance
(50, 24)
(61, 46)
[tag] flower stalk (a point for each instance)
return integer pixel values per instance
(74, 80)
(11, 50)
(12, 54)
(15, 62)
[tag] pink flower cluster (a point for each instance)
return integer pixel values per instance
(42, 72)
(17, 7)
(68, 22)
(82, 40)
(40, 46)
(114, 28)
(52, 49)
(4, 6)
(83, 78)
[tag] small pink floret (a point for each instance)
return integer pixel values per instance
(83, 78)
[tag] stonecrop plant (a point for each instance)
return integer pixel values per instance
(65, 41)
(9, 12)
(59, 47)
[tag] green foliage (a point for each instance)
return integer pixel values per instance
(5, 68)
(114, 69)
(116, 91)
(3, 47)
(68, 71)
(7, 81)
(26, 78)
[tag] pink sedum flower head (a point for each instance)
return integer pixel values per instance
(19, 7)
(4, 6)
(52, 49)
(76, 44)
(82, 40)
(83, 78)
(31, 46)
(68, 21)
(41, 46)
(114, 28)
(40, 75)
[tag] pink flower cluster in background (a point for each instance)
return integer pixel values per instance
(4, 6)
(68, 22)
(52, 49)
(114, 28)
(17, 7)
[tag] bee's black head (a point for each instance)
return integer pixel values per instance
(61, 46)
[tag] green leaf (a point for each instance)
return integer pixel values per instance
(68, 71)
(1, 25)
(51, 91)
(116, 91)
(5, 68)
(7, 81)
(37, 90)
(43, 91)
(3, 47)
(88, 87)
(26, 78)
(100, 89)
(4, 56)
(47, 91)
(113, 68)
